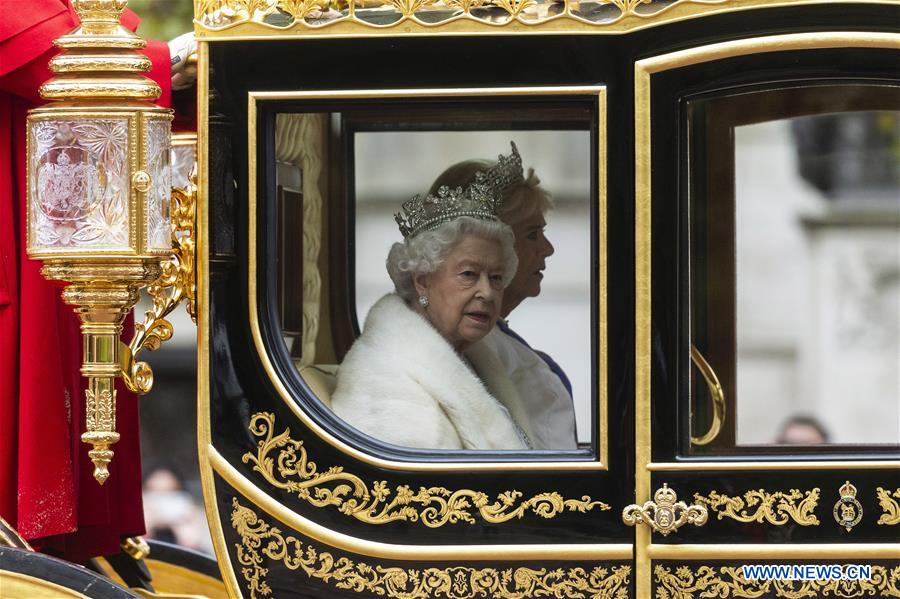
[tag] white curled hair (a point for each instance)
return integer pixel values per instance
(425, 252)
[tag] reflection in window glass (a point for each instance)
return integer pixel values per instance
(817, 246)
(391, 167)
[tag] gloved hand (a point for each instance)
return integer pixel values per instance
(183, 74)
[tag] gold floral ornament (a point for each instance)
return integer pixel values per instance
(284, 463)
(408, 7)
(776, 508)
(629, 6)
(514, 7)
(729, 582)
(300, 9)
(262, 543)
(888, 503)
(465, 5)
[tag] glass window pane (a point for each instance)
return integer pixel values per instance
(339, 180)
(795, 267)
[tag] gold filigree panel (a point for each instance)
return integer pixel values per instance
(338, 16)
(888, 502)
(727, 582)
(101, 410)
(777, 508)
(263, 544)
(284, 463)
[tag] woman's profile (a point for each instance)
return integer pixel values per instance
(420, 374)
(542, 386)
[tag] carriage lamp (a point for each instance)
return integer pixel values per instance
(99, 196)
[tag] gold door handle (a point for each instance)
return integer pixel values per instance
(715, 392)
(665, 513)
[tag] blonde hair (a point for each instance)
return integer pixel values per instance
(521, 200)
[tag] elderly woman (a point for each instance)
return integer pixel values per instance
(420, 375)
(543, 387)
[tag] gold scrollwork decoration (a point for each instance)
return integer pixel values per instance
(776, 508)
(665, 513)
(727, 582)
(291, 470)
(262, 543)
(888, 502)
(175, 283)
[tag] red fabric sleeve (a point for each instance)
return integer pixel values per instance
(161, 71)
(34, 492)
(9, 318)
(28, 32)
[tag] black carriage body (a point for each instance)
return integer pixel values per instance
(286, 480)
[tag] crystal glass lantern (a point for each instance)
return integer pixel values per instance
(98, 194)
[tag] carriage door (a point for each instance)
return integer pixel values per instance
(767, 252)
(305, 169)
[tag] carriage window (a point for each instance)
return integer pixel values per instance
(434, 270)
(795, 259)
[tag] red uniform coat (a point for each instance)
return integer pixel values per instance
(47, 490)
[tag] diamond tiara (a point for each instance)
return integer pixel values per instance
(503, 175)
(481, 199)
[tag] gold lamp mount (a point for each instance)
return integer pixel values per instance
(99, 203)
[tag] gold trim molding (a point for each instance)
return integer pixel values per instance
(291, 470)
(776, 508)
(768, 551)
(261, 542)
(256, 19)
(727, 582)
(204, 434)
(17, 584)
(595, 93)
(10, 537)
(690, 466)
(293, 15)
(888, 503)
